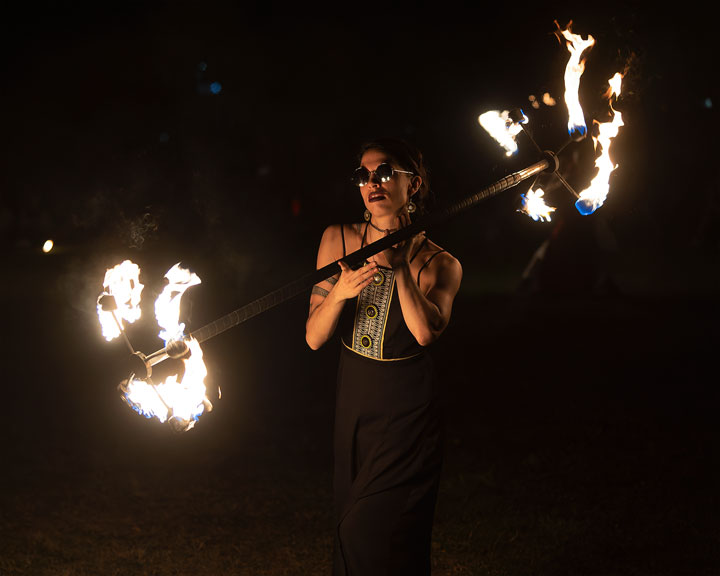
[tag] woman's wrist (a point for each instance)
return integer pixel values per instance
(333, 298)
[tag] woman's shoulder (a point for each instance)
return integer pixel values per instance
(431, 248)
(338, 230)
(339, 236)
(434, 255)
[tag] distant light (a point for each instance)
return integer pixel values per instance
(202, 66)
(48, 246)
(708, 102)
(215, 87)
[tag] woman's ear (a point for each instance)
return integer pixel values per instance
(415, 184)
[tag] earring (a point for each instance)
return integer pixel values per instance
(411, 207)
(367, 215)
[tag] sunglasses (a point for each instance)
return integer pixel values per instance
(384, 172)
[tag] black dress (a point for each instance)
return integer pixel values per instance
(388, 439)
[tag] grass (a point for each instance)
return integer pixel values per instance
(582, 441)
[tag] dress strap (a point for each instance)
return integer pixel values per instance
(428, 262)
(422, 245)
(342, 233)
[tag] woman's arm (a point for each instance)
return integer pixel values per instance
(328, 297)
(427, 308)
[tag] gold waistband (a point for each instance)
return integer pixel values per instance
(379, 359)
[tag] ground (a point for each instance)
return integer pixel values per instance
(582, 440)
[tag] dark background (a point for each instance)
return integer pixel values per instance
(581, 393)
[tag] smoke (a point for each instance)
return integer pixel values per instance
(136, 231)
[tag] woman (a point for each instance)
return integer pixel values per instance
(388, 433)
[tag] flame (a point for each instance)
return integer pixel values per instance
(533, 204)
(573, 71)
(167, 305)
(182, 401)
(594, 195)
(47, 246)
(502, 128)
(123, 283)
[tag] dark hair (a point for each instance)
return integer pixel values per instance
(409, 158)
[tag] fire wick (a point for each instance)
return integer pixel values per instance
(108, 303)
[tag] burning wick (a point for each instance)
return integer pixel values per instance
(533, 204)
(502, 128)
(179, 402)
(108, 304)
(573, 71)
(594, 195)
(122, 283)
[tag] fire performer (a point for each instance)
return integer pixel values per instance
(388, 441)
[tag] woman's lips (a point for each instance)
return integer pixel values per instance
(374, 197)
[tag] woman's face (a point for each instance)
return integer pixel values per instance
(385, 198)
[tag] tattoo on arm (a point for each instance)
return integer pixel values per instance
(320, 291)
(331, 280)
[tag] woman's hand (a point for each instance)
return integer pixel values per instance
(352, 282)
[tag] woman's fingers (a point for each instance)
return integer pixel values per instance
(366, 273)
(352, 281)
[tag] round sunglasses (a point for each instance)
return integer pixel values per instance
(384, 172)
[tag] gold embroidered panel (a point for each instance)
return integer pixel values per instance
(373, 305)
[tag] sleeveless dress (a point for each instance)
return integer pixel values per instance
(388, 438)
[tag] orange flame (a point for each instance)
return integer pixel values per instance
(594, 195)
(573, 71)
(182, 401)
(122, 283)
(502, 128)
(179, 401)
(185, 400)
(533, 204)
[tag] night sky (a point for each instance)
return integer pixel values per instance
(221, 135)
(132, 124)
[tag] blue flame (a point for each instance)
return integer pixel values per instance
(581, 129)
(136, 407)
(586, 206)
